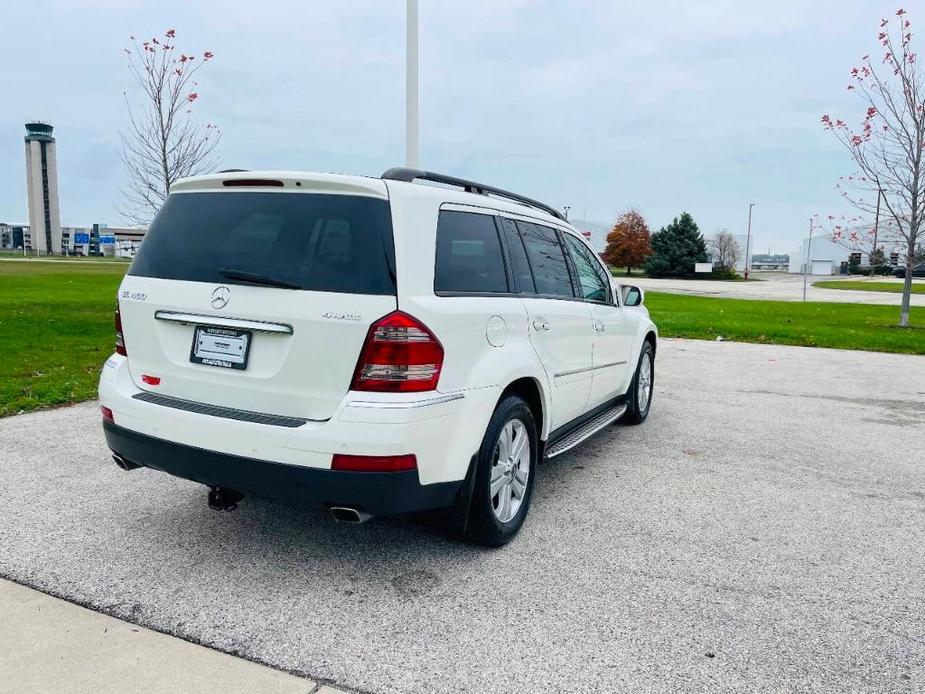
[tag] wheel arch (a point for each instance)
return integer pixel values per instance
(531, 391)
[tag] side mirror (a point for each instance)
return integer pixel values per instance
(631, 295)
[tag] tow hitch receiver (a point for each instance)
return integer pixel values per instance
(222, 499)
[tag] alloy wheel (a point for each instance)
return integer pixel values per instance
(510, 470)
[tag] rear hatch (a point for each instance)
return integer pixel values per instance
(257, 294)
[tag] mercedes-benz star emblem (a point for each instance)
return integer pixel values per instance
(220, 297)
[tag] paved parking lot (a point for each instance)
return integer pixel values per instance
(774, 286)
(763, 531)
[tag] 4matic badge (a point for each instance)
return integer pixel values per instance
(337, 315)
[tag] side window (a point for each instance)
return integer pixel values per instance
(468, 254)
(595, 285)
(550, 271)
(520, 266)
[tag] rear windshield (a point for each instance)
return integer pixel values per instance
(328, 243)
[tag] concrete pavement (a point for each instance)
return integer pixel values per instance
(774, 286)
(764, 530)
(50, 645)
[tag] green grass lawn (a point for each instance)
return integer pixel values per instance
(6, 254)
(812, 324)
(56, 327)
(56, 330)
(619, 272)
(918, 286)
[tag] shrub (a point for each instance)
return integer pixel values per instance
(724, 273)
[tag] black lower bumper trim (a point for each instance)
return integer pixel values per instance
(377, 493)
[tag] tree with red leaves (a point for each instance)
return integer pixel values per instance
(888, 149)
(628, 243)
(161, 143)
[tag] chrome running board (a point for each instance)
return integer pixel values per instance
(586, 430)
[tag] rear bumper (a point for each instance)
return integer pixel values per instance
(267, 458)
(377, 493)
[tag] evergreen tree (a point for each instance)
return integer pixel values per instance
(675, 249)
(877, 257)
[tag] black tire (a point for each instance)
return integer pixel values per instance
(484, 527)
(634, 413)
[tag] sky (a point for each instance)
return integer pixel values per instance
(665, 107)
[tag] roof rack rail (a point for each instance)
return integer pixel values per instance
(232, 171)
(400, 173)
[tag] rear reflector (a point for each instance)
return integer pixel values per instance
(400, 355)
(107, 414)
(120, 338)
(374, 463)
(151, 380)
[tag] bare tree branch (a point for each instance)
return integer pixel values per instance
(161, 144)
(725, 249)
(887, 150)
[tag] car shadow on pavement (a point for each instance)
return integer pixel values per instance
(176, 511)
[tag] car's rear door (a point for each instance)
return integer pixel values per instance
(560, 326)
(258, 298)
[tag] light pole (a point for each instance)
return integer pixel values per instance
(412, 154)
(809, 248)
(748, 239)
(567, 208)
(876, 230)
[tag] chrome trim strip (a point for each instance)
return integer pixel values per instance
(384, 405)
(582, 434)
(217, 411)
(589, 368)
(242, 323)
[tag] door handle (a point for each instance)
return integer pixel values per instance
(540, 324)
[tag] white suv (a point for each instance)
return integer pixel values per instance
(369, 345)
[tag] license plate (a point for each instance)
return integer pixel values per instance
(224, 347)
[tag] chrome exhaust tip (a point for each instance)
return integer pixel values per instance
(123, 463)
(345, 514)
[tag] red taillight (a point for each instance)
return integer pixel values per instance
(374, 463)
(120, 338)
(400, 355)
(107, 414)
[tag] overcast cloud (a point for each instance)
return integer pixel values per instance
(667, 107)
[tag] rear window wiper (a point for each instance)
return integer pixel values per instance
(254, 278)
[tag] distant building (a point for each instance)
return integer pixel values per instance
(14, 236)
(101, 239)
(768, 261)
(595, 232)
(42, 189)
(822, 256)
(127, 241)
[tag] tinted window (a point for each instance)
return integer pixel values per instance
(520, 266)
(591, 278)
(550, 272)
(468, 254)
(331, 243)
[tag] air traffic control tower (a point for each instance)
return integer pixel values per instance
(42, 188)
